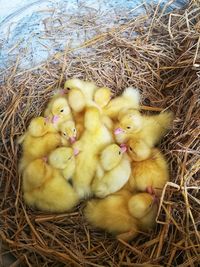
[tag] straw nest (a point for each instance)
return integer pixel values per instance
(158, 53)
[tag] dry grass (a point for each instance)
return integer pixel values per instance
(163, 60)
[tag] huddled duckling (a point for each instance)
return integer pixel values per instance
(45, 188)
(122, 214)
(149, 128)
(150, 174)
(94, 138)
(113, 171)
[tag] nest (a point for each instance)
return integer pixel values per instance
(158, 53)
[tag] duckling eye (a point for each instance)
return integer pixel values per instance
(119, 152)
(68, 88)
(128, 127)
(74, 130)
(131, 148)
(61, 110)
(64, 134)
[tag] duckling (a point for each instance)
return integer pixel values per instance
(149, 128)
(46, 189)
(122, 213)
(58, 110)
(112, 214)
(94, 138)
(38, 141)
(62, 158)
(68, 132)
(87, 89)
(102, 96)
(144, 208)
(150, 174)
(130, 98)
(113, 172)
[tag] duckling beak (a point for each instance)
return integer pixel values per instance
(63, 91)
(55, 118)
(72, 139)
(118, 131)
(123, 148)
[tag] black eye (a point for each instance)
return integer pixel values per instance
(61, 110)
(64, 134)
(131, 148)
(74, 130)
(128, 127)
(119, 152)
(68, 88)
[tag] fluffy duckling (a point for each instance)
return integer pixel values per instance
(46, 189)
(58, 110)
(62, 159)
(87, 89)
(116, 214)
(149, 128)
(113, 171)
(68, 132)
(150, 174)
(38, 141)
(130, 98)
(94, 138)
(102, 96)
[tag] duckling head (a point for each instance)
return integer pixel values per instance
(38, 127)
(60, 108)
(68, 131)
(130, 122)
(141, 204)
(111, 156)
(138, 150)
(102, 96)
(61, 157)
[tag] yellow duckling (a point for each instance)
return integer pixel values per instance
(68, 132)
(46, 189)
(149, 128)
(116, 214)
(94, 138)
(130, 98)
(62, 158)
(38, 141)
(150, 174)
(113, 171)
(87, 89)
(58, 110)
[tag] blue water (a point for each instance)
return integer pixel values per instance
(36, 30)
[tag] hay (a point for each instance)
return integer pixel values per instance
(163, 60)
